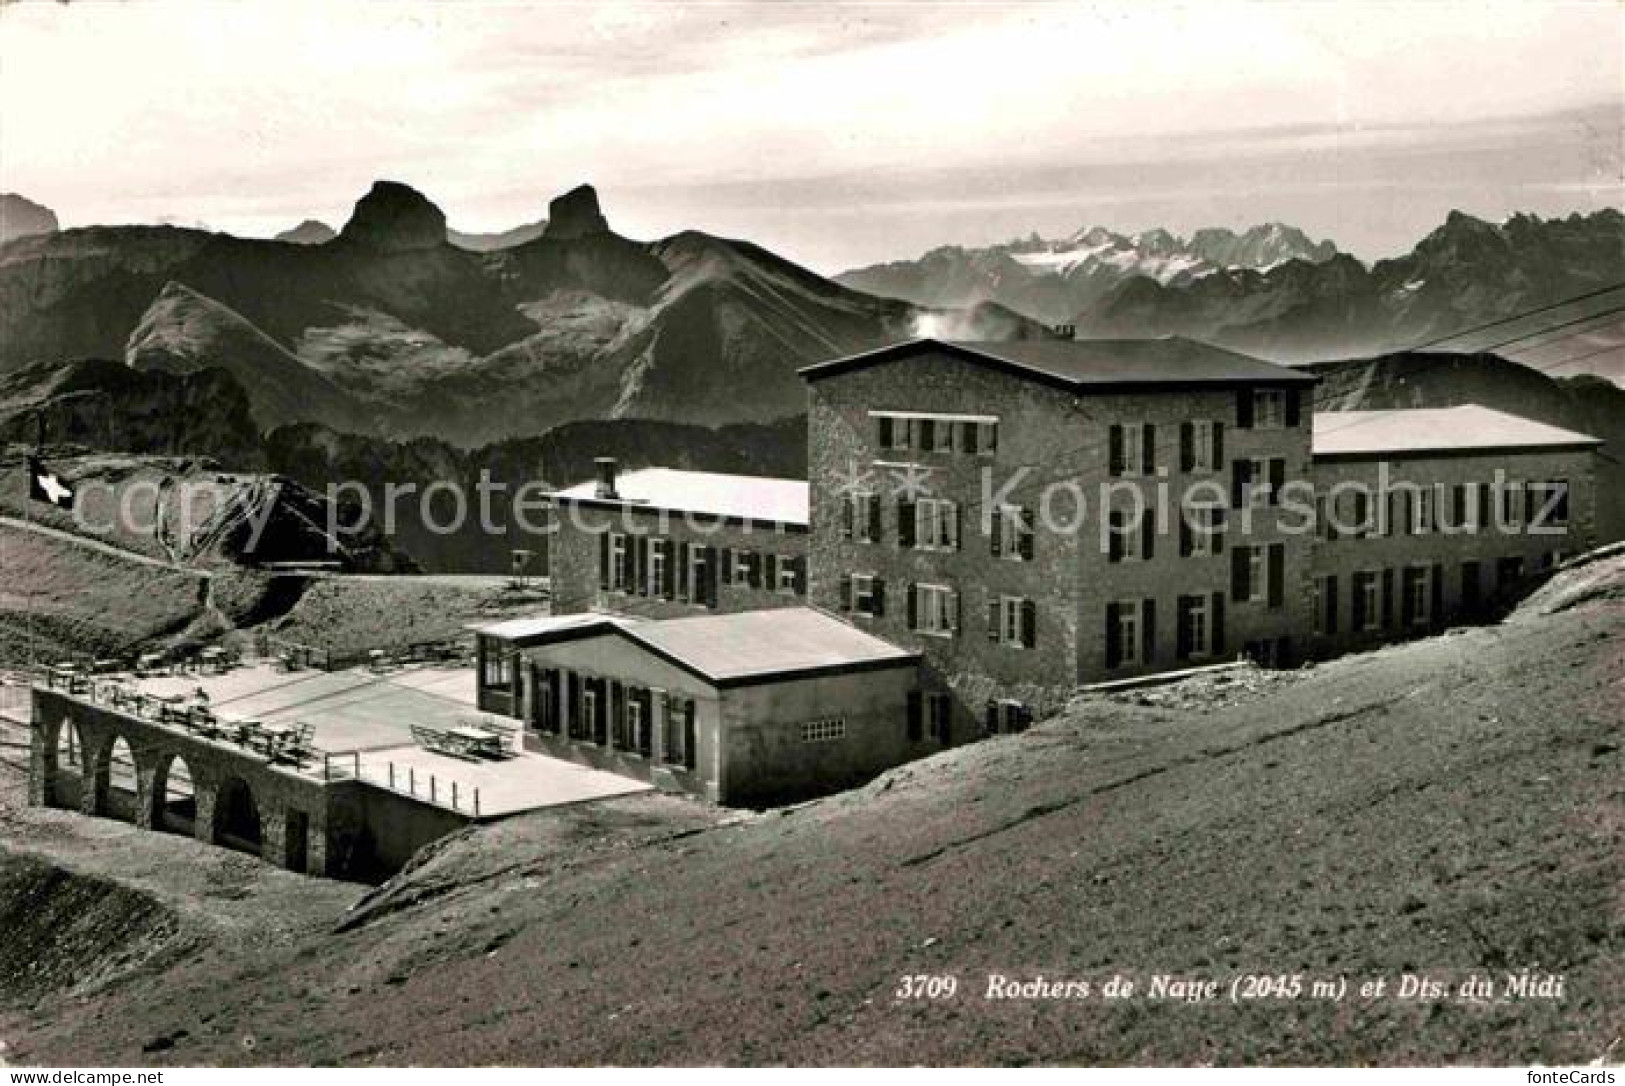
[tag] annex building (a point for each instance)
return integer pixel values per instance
(985, 527)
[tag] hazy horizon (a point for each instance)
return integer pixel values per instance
(836, 136)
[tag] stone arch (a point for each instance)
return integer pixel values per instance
(236, 817)
(175, 788)
(118, 784)
(63, 756)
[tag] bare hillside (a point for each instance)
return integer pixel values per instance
(1442, 806)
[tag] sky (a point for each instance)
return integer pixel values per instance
(836, 134)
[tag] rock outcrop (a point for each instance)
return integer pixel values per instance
(395, 218)
(21, 217)
(575, 215)
(309, 232)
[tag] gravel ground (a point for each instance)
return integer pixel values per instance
(1436, 808)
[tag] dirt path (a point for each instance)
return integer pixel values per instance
(97, 545)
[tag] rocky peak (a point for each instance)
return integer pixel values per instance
(395, 218)
(21, 217)
(309, 232)
(575, 215)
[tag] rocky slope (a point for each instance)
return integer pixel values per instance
(1052, 279)
(421, 336)
(21, 217)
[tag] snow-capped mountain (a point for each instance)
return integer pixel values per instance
(1053, 279)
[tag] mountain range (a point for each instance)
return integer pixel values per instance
(390, 329)
(1271, 292)
(1054, 279)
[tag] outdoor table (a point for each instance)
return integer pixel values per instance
(477, 740)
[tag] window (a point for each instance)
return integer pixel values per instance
(1418, 595)
(1257, 574)
(1422, 511)
(788, 582)
(1204, 446)
(620, 572)
(862, 593)
(1367, 601)
(1512, 500)
(1549, 504)
(498, 666)
(744, 568)
(827, 730)
(1012, 620)
(934, 609)
(658, 568)
(701, 582)
(860, 517)
(1130, 537)
(681, 738)
(1126, 633)
(936, 525)
(929, 715)
(1202, 531)
(1269, 409)
(1508, 571)
(1006, 718)
(902, 431)
(1013, 534)
(1194, 631)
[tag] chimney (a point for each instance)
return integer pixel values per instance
(1066, 331)
(606, 466)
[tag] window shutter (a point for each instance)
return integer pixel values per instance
(1244, 409)
(1218, 445)
(770, 578)
(685, 559)
(1240, 590)
(916, 715)
(1329, 597)
(1114, 655)
(641, 545)
(995, 545)
(1187, 446)
(1216, 624)
(1397, 512)
(1293, 407)
(913, 608)
(711, 560)
(1277, 573)
(727, 564)
(877, 595)
(953, 525)
(1024, 534)
(1458, 505)
(990, 719)
(1029, 623)
(1114, 456)
(1182, 637)
(1388, 598)
(669, 574)
(886, 432)
(1149, 461)
(1215, 526)
(1114, 536)
(1358, 617)
(603, 560)
(1241, 473)
(905, 523)
(967, 437)
(753, 563)
(994, 626)
(1437, 614)
(928, 434)
(798, 569)
(874, 516)
(1148, 631)
(1407, 607)
(1185, 542)
(1148, 534)
(846, 592)
(954, 615)
(847, 504)
(1277, 480)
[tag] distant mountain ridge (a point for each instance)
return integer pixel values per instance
(390, 329)
(21, 217)
(1052, 279)
(1466, 273)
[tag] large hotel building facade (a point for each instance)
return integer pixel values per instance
(987, 526)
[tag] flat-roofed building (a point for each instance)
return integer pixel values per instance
(660, 542)
(1429, 516)
(741, 708)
